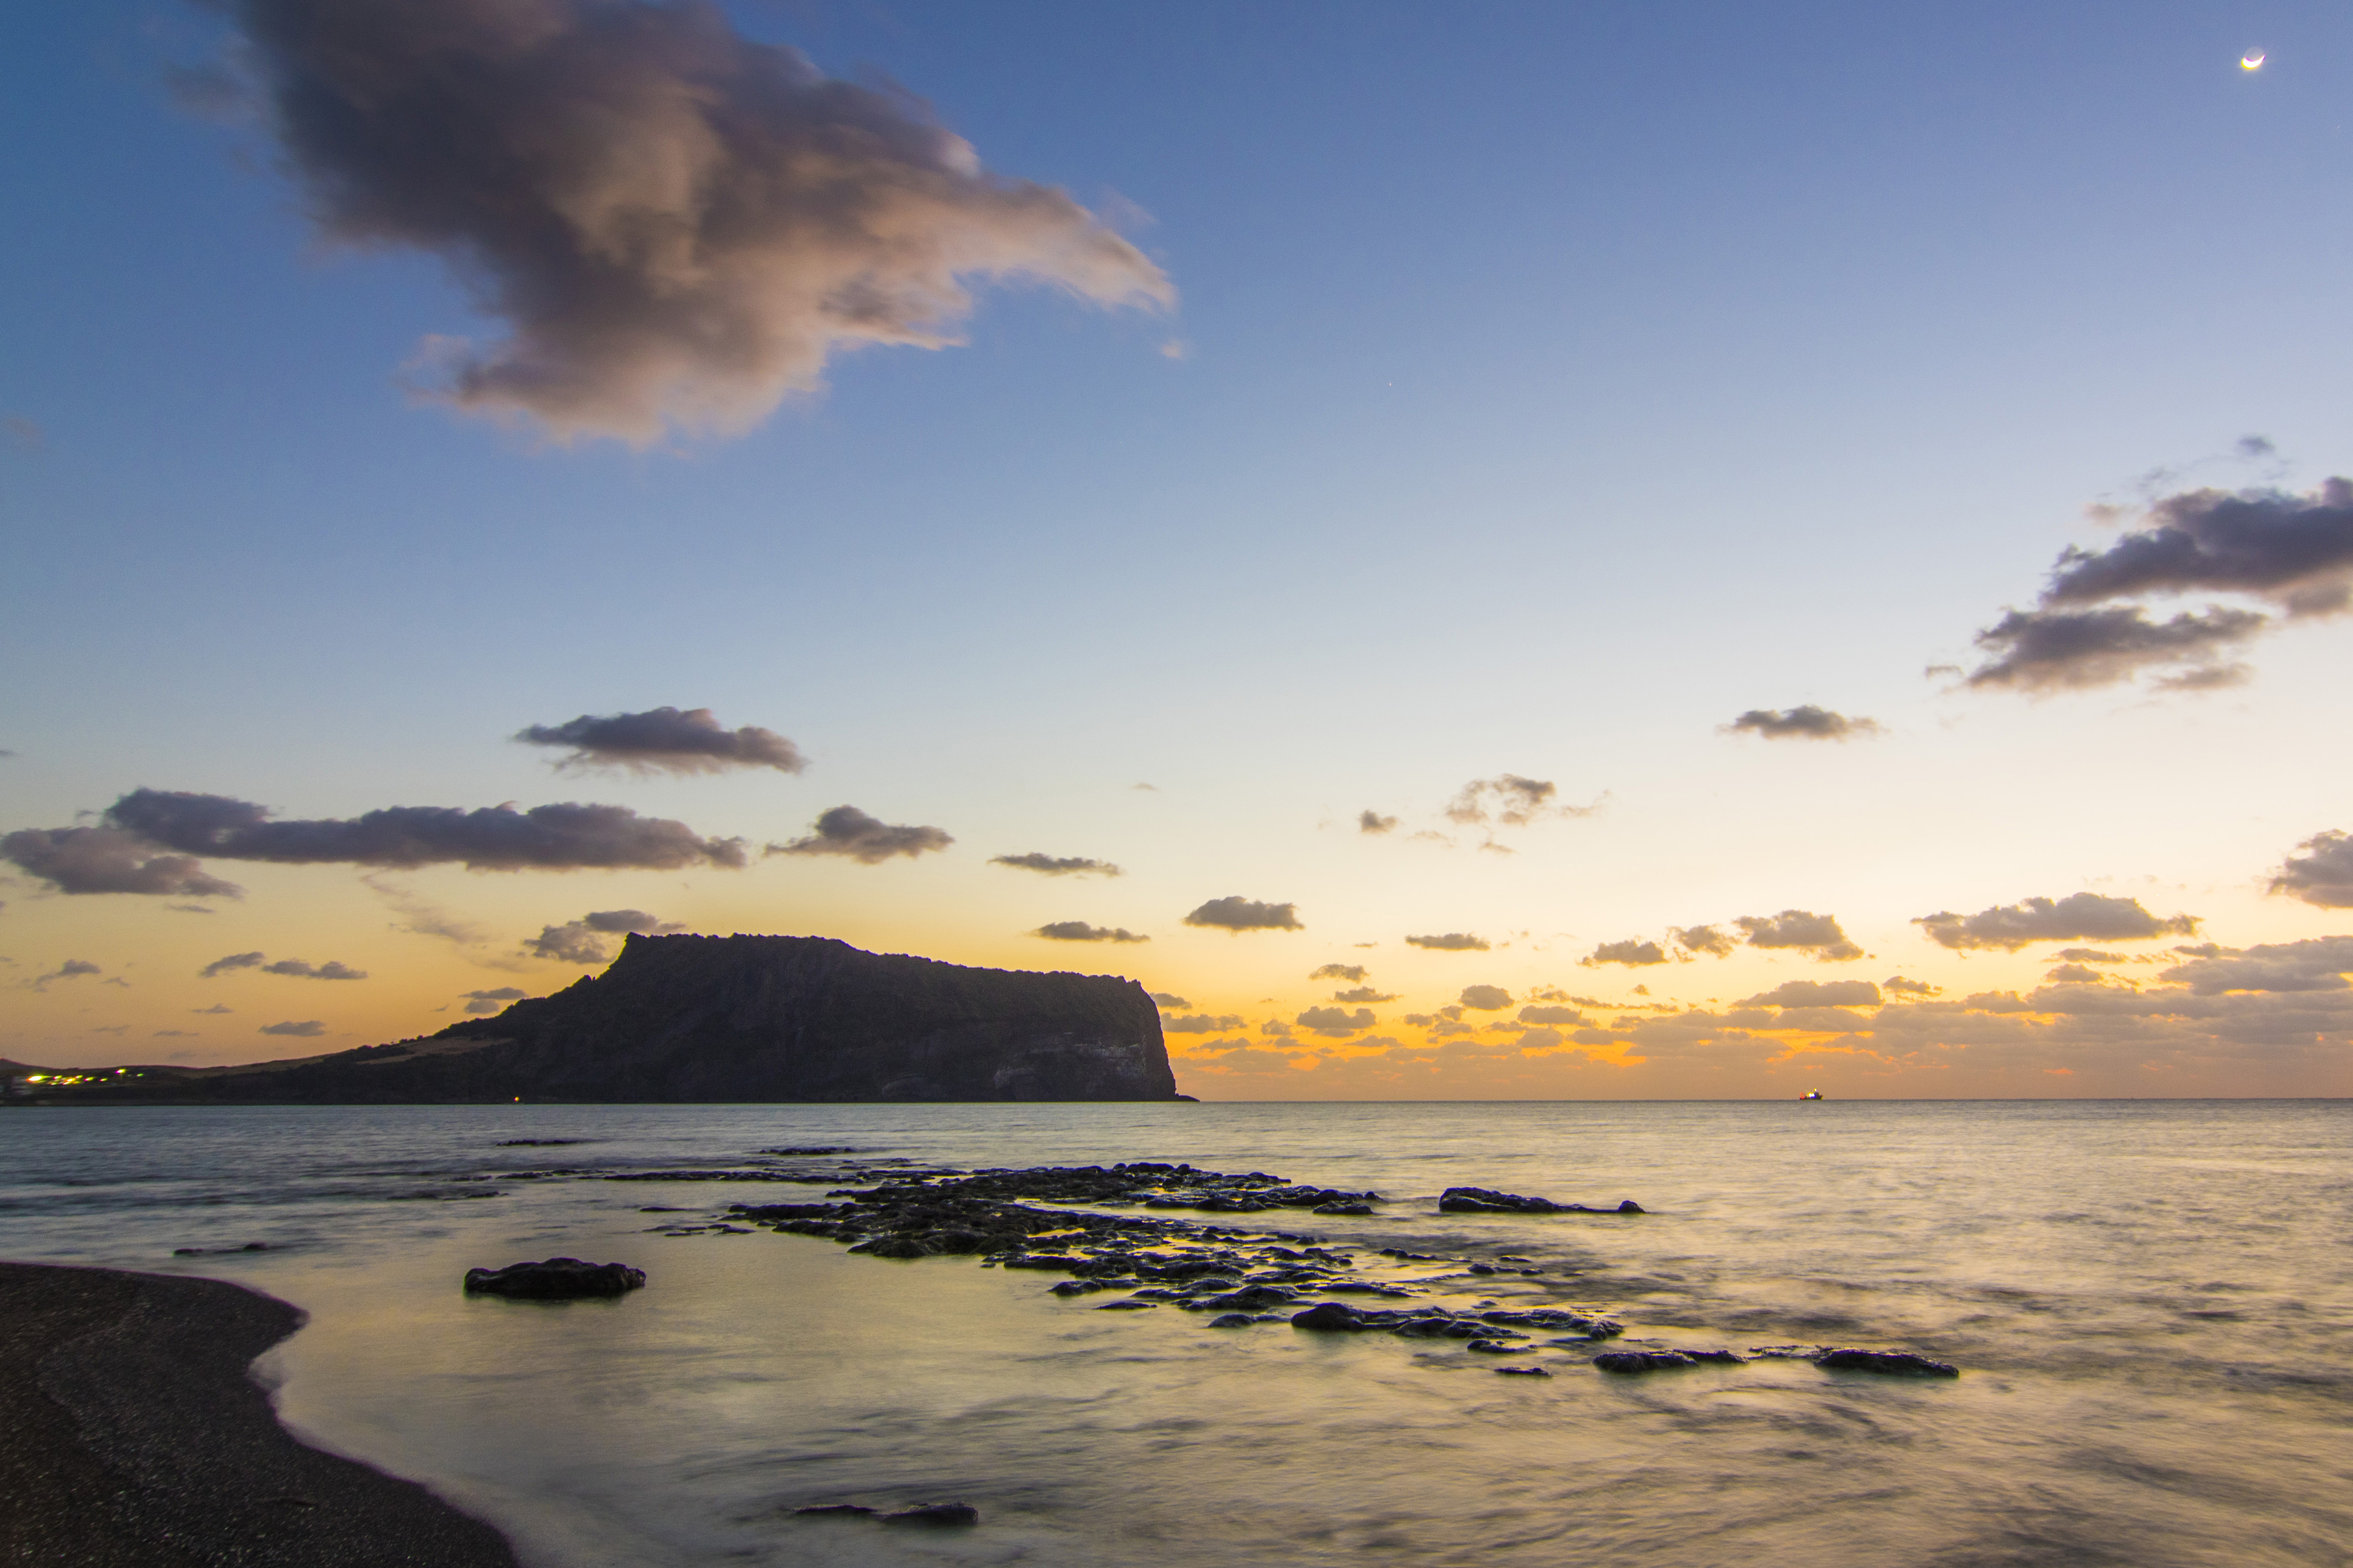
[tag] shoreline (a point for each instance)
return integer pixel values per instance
(132, 1433)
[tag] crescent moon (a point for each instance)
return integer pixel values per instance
(2252, 62)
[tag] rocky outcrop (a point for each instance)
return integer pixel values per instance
(746, 1019)
(555, 1279)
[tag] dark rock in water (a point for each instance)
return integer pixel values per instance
(556, 1279)
(1080, 1287)
(936, 1513)
(1232, 1321)
(1129, 1305)
(1486, 1200)
(539, 1142)
(1522, 1371)
(836, 1510)
(1330, 1315)
(1660, 1361)
(1642, 1360)
(1250, 1299)
(1899, 1363)
(742, 1019)
(1346, 1207)
(1491, 1347)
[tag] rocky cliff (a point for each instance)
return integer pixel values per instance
(750, 1018)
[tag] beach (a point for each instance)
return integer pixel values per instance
(131, 1434)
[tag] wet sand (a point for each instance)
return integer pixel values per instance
(131, 1435)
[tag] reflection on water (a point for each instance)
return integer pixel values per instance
(2152, 1304)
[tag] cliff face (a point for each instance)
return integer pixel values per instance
(762, 1018)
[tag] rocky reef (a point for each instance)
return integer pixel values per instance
(702, 1019)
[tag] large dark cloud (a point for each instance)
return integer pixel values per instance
(583, 941)
(664, 739)
(677, 225)
(848, 831)
(1804, 722)
(2091, 915)
(1804, 931)
(2295, 551)
(1079, 931)
(1236, 914)
(1057, 865)
(1449, 942)
(2048, 650)
(489, 839)
(109, 860)
(2292, 552)
(2322, 874)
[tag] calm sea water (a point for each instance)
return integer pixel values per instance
(2152, 1304)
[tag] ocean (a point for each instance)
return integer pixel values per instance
(2150, 1303)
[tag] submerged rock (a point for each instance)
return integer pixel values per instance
(555, 1280)
(836, 1510)
(1486, 1200)
(1522, 1371)
(1628, 1361)
(936, 1513)
(1897, 1363)
(1330, 1315)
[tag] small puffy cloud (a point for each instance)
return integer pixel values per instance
(1079, 931)
(1897, 986)
(583, 941)
(1631, 952)
(234, 961)
(109, 860)
(2087, 955)
(2322, 875)
(1275, 1028)
(2045, 651)
(1354, 972)
(1710, 940)
(1201, 1024)
(1334, 1022)
(1235, 914)
(307, 1028)
(676, 226)
(331, 970)
(1801, 930)
(71, 969)
(1374, 822)
(664, 741)
(1510, 801)
(2074, 975)
(493, 1001)
(1566, 1018)
(845, 830)
(1485, 999)
(1817, 994)
(1451, 942)
(1363, 994)
(2078, 915)
(491, 838)
(1805, 722)
(1057, 865)
(1170, 1001)
(2319, 964)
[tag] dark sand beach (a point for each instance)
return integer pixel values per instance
(131, 1434)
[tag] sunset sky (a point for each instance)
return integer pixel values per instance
(1795, 547)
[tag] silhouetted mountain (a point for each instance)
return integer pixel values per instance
(741, 1018)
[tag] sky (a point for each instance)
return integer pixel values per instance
(1491, 551)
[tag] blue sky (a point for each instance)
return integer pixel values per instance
(1551, 385)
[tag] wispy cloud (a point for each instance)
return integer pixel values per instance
(1057, 865)
(1079, 931)
(1450, 942)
